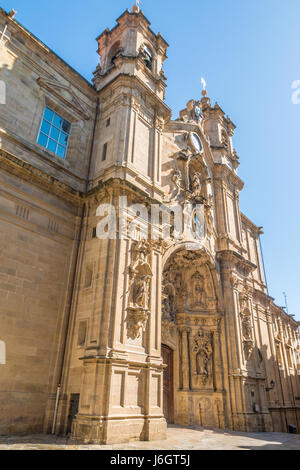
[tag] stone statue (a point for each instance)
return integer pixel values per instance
(198, 289)
(203, 349)
(196, 184)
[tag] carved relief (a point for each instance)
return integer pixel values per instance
(139, 293)
(188, 285)
(246, 325)
(199, 289)
(203, 356)
(196, 185)
(189, 174)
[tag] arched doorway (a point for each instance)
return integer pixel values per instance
(168, 385)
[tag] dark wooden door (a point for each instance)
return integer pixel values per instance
(73, 410)
(168, 388)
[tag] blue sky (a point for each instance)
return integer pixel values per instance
(249, 53)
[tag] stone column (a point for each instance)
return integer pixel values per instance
(185, 358)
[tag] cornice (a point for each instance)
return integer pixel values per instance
(124, 79)
(242, 265)
(31, 174)
(222, 171)
(40, 152)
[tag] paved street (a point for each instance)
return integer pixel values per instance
(179, 438)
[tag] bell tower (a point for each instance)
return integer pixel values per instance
(131, 48)
(131, 86)
(121, 395)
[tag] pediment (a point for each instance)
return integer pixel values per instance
(66, 95)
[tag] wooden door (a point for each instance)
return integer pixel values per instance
(73, 410)
(168, 387)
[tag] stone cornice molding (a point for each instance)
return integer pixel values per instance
(222, 172)
(277, 311)
(31, 174)
(236, 261)
(250, 224)
(40, 152)
(261, 297)
(131, 81)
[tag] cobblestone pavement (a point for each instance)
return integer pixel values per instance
(179, 438)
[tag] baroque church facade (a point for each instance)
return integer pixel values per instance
(111, 338)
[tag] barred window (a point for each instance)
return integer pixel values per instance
(54, 133)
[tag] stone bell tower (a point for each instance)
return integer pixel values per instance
(122, 367)
(131, 86)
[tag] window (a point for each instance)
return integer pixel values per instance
(148, 59)
(82, 331)
(54, 133)
(104, 152)
(108, 122)
(89, 277)
(115, 52)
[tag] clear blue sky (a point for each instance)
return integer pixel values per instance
(249, 53)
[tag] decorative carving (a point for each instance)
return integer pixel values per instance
(137, 319)
(199, 289)
(203, 350)
(245, 267)
(168, 303)
(189, 284)
(196, 185)
(168, 333)
(192, 112)
(178, 181)
(140, 277)
(246, 324)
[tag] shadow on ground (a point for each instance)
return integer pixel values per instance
(179, 438)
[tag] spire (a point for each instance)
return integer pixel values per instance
(205, 102)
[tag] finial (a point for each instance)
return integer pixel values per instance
(136, 6)
(12, 14)
(204, 92)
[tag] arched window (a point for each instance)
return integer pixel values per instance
(115, 52)
(148, 57)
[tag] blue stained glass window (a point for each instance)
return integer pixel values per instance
(54, 133)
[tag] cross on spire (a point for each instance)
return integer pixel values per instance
(136, 6)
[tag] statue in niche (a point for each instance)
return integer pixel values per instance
(209, 217)
(199, 289)
(247, 329)
(178, 182)
(247, 332)
(140, 277)
(196, 184)
(140, 290)
(168, 304)
(203, 349)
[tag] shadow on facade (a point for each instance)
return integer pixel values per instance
(272, 387)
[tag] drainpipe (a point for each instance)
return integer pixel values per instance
(56, 408)
(75, 271)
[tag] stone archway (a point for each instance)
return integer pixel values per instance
(191, 329)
